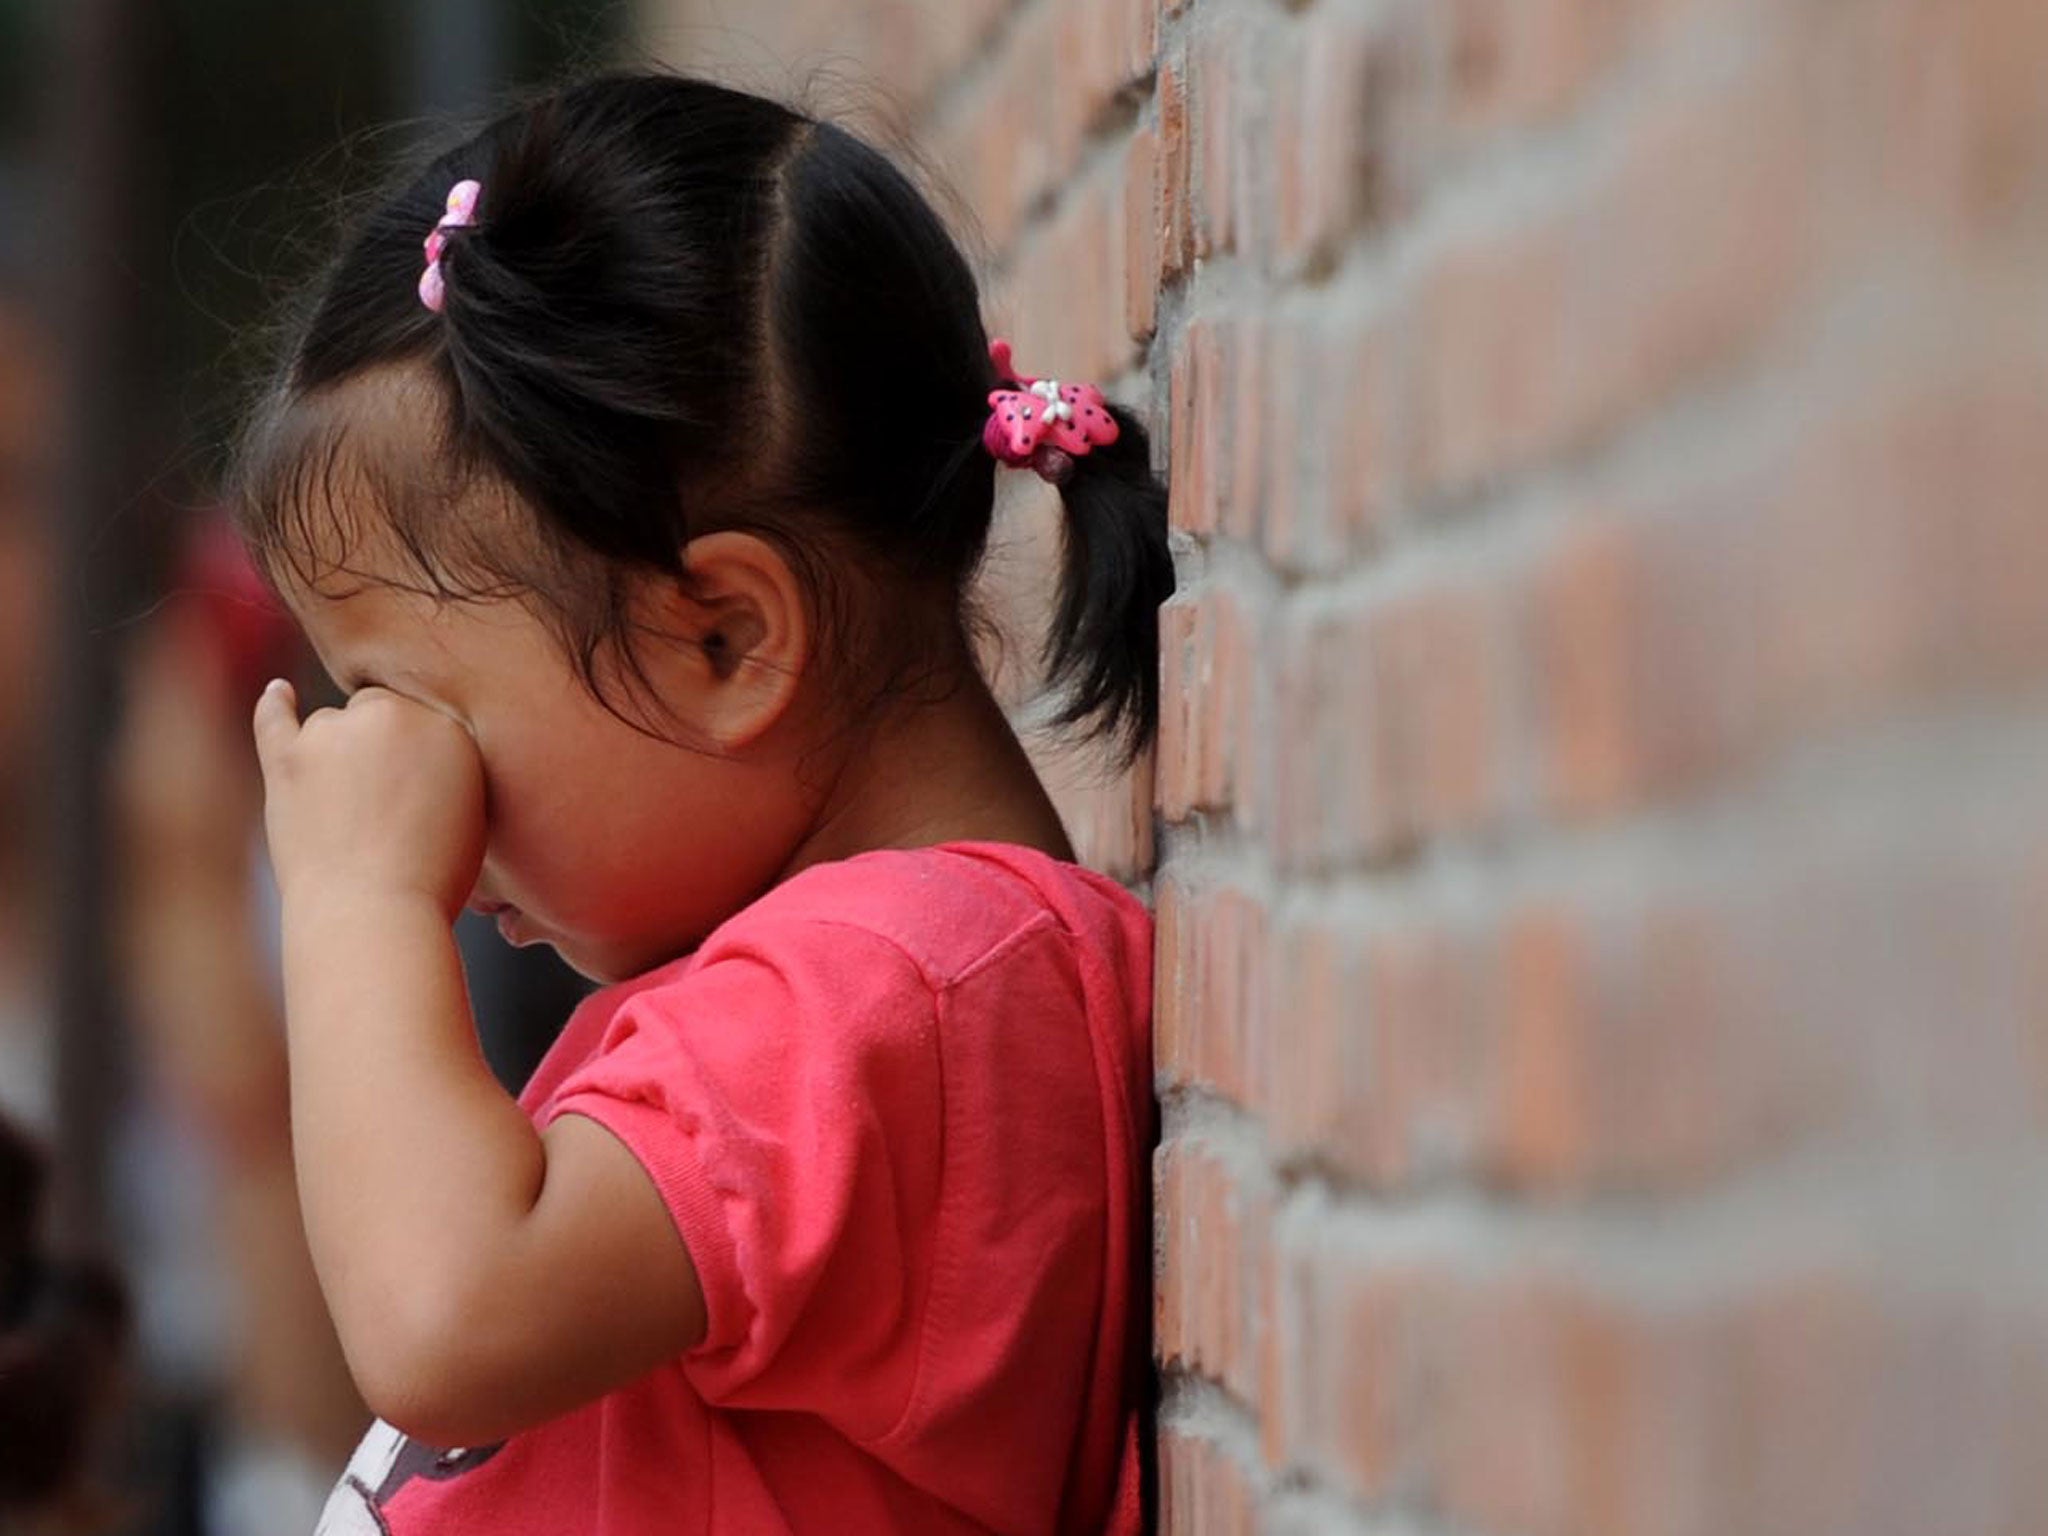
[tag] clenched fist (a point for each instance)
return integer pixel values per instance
(384, 797)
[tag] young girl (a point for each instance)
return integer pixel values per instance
(635, 515)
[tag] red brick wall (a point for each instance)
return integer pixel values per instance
(1600, 829)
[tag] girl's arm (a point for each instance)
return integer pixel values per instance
(483, 1277)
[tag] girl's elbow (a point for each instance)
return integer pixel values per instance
(419, 1365)
(435, 1401)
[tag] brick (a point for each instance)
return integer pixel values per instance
(1487, 354)
(1329, 802)
(1788, 592)
(1435, 653)
(1585, 613)
(1102, 343)
(1851, 1408)
(2005, 171)
(1908, 602)
(1341, 142)
(1703, 242)
(1502, 1452)
(1919, 964)
(1547, 1029)
(1542, 1048)
(1289, 510)
(1140, 37)
(1205, 726)
(1215, 1236)
(916, 51)
(1655, 1062)
(2022, 1482)
(1315, 1073)
(1554, 1409)
(1175, 212)
(1104, 47)
(1203, 1488)
(999, 143)
(1702, 633)
(1189, 508)
(1346, 1362)
(1067, 296)
(1244, 438)
(1225, 55)
(955, 33)
(1357, 727)
(1955, 122)
(1141, 235)
(1335, 426)
(1804, 1367)
(1543, 335)
(1203, 378)
(1183, 655)
(1425, 994)
(1683, 1076)
(1212, 961)
(1090, 56)
(1523, 64)
(1114, 349)
(1174, 978)
(1340, 765)
(1636, 1398)
(1628, 1049)
(1375, 1067)
(1027, 147)
(1221, 441)
(1560, 1410)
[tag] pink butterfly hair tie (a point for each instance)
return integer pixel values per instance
(1043, 424)
(461, 213)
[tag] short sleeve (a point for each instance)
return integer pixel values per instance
(785, 1095)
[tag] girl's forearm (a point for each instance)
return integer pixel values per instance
(415, 1169)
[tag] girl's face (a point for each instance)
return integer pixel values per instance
(619, 848)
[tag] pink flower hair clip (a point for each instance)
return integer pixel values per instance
(1044, 424)
(462, 199)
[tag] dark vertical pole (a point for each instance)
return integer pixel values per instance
(93, 293)
(457, 54)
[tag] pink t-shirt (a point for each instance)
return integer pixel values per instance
(900, 1110)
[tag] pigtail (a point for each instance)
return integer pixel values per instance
(1115, 571)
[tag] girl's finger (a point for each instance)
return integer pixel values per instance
(277, 719)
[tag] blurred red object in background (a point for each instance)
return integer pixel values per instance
(251, 635)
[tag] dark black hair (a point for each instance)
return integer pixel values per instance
(683, 308)
(63, 1330)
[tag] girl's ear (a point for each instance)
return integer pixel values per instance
(747, 634)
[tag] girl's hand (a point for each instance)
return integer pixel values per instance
(384, 797)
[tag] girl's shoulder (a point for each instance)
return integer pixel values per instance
(878, 940)
(948, 907)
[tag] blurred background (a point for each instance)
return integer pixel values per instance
(169, 173)
(1598, 829)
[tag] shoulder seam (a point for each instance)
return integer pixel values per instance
(937, 984)
(1041, 921)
